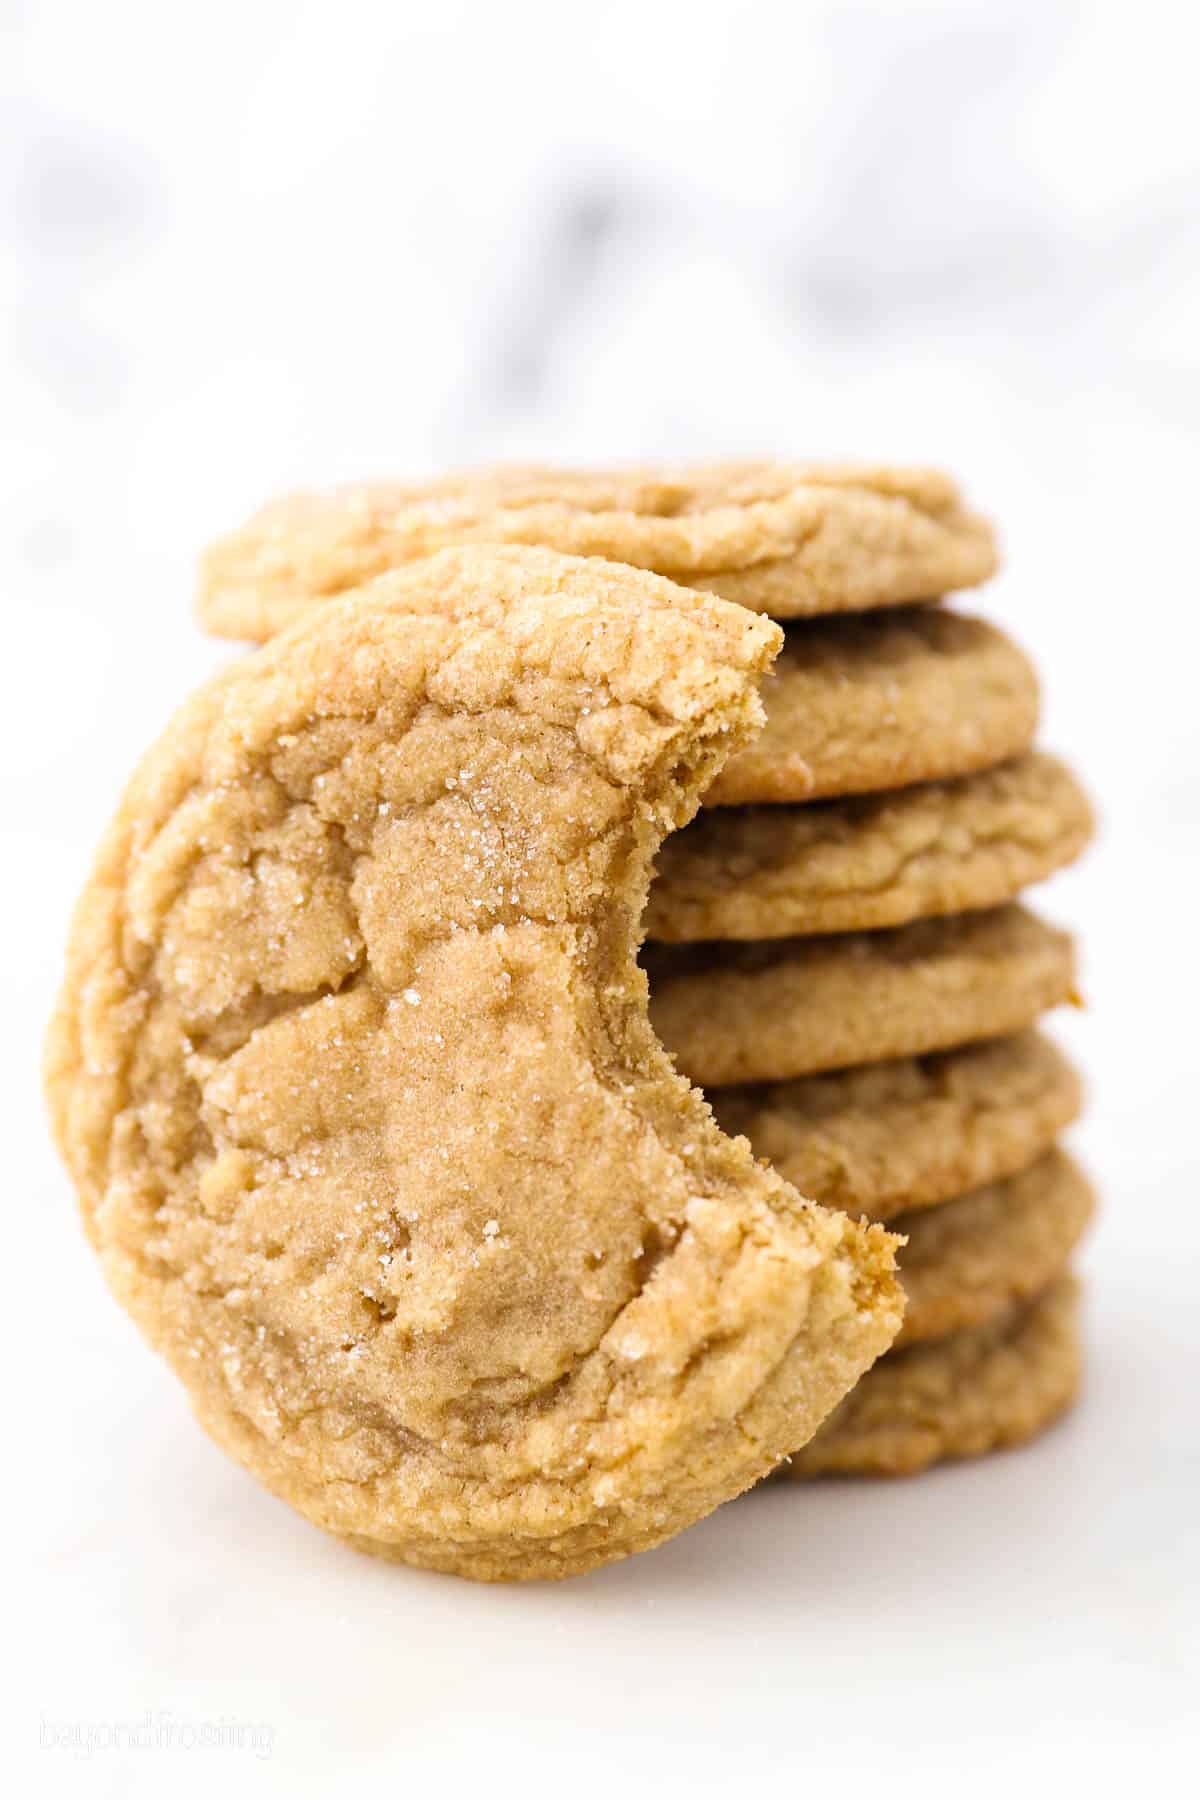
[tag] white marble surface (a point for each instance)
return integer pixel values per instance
(245, 245)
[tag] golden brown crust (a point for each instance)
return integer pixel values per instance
(973, 1258)
(893, 1136)
(799, 539)
(872, 860)
(856, 705)
(867, 552)
(353, 1074)
(960, 1396)
(737, 1013)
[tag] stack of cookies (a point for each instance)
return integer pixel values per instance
(853, 983)
(838, 954)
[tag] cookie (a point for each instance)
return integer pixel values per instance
(859, 704)
(736, 1013)
(960, 1396)
(792, 540)
(893, 1136)
(393, 1170)
(872, 860)
(971, 1259)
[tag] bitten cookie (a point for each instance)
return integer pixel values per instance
(353, 1073)
(893, 1136)
(792, 540)
(960, 1396)
(736, 1013)
(872, 860)
(857, 705)
(971, 1259)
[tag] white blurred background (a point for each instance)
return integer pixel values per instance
(249, 245)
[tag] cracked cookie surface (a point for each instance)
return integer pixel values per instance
(353, 1074)
(871, 860)
(859, 704)
(961, 1396)
(789, 539)
(893, 1136)
(767, 1012)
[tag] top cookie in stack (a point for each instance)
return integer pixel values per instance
(790, 539)
(839, 928)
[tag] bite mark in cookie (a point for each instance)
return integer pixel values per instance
(353, 1073)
